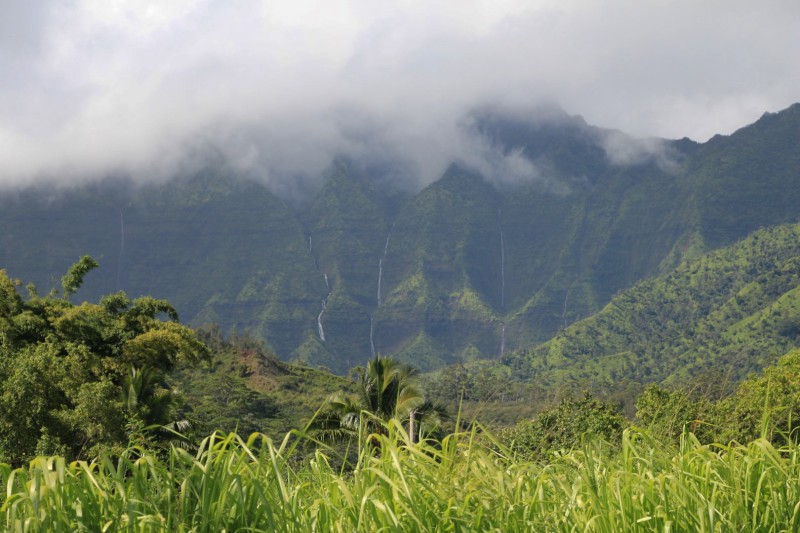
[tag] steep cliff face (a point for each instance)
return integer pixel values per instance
(472, 266)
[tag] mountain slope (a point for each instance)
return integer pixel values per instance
(737, 308)
(472, 266)
(347, 225)
(442, 271)
(245, 388)
(747, 180)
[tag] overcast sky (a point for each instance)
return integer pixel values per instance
(91, 87)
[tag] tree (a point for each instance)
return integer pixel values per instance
(387, 389)
(489, 383)
(667, 413)
(767, 405)
(73, 279)
(73, 376)
(562, 428)
(452, 385)
(143, 395)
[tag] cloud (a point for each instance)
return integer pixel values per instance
(623, 150)
(93, 87)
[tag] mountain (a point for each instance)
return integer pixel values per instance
(481, 262)
(736, 309)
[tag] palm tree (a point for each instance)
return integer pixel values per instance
(144, 396)
(149, 406)
(387, 389)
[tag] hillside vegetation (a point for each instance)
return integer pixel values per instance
(243, 387)
(732, 312)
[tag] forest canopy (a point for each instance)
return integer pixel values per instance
(75, 379)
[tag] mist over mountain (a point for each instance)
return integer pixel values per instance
(536, 222)
(143, 89)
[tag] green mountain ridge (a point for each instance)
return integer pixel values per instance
(735, 309)
(470, 267)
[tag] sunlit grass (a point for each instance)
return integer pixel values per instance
(467, 482)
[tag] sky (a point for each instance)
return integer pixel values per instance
(149, 89)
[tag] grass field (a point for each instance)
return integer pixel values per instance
(468, 482)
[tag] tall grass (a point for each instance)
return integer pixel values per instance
(467, 482)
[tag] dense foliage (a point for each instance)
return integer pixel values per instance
(243, 387)
(563, 427)
(75, 379)
(737, 308)
(766, 405)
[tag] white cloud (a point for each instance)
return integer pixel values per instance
(96, 86)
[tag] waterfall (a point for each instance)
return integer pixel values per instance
(311, 252)
(380, 263)
(319, 322)
(564, 312)
(502, 279)
(319, 326)
(121, 258)
(386, 246)
(320, 329)
(380, 276)
(502, 261)
(371, 343)
(380, 282)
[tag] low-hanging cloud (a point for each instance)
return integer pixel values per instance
(97, 87)
(624, 150)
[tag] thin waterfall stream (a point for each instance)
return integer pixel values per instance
(320, 329)
(380, 263)
(380, 284)
(502, 261)
(502, 279)
(380, 277)
(311, 252)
